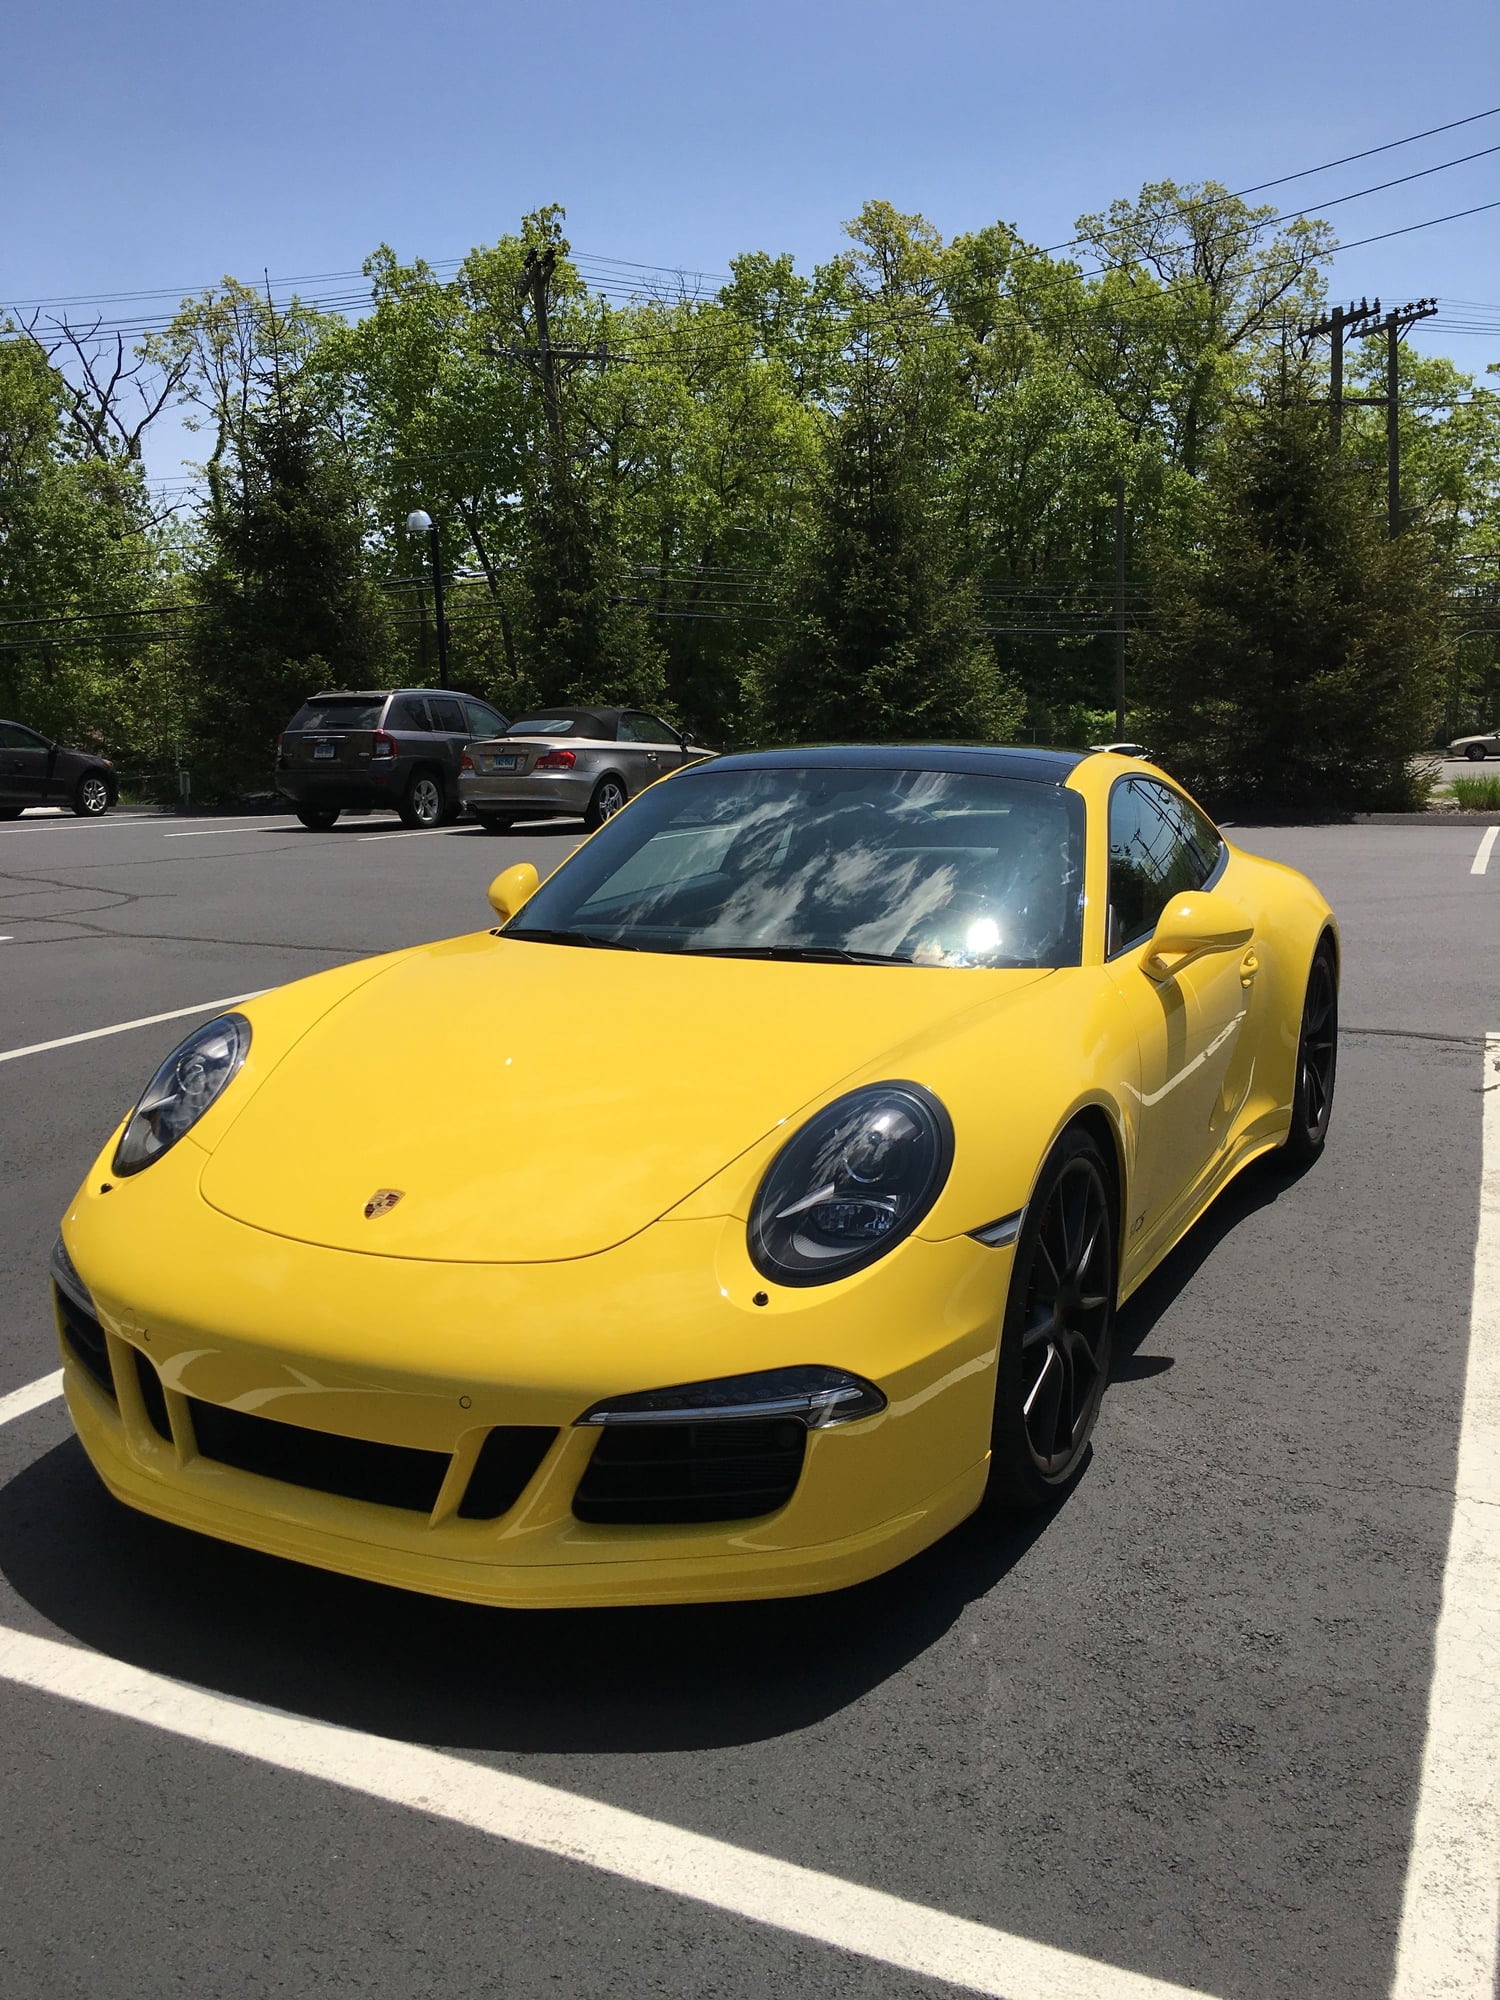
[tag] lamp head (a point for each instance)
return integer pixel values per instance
(418, 523)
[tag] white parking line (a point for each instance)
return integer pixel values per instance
(1447, 1945)
(407, 833)
(124, 1027)
(32, 1397)
(202, 832)
(1486, 849)
(801, 1901)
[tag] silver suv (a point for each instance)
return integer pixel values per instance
(399, 749)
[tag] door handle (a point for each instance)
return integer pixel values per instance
(1249, 966)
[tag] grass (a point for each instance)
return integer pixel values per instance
(1476, 794)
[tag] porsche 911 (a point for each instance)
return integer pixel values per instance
(777, 1169)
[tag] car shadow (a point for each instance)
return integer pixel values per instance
(429, 1670)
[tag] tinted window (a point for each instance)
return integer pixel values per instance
(14, 737)
(485, 721)
(1160, 846)
(341, 712)
(407, 713)
(446, 713)
(917, 867)
(645, 729)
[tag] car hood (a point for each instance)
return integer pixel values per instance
(531, 1102)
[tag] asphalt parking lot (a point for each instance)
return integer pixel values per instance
(1173, 1733)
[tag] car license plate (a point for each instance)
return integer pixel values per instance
(501, 763)
(325, 749)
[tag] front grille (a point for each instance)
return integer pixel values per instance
(152, 1396)
(727, 1471)
(507, 1460)
(85, 1338)
(390, 1475)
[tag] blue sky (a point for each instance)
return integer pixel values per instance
(161, 145)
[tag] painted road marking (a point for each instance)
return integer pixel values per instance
(202, 832)
(32, 1397)
(801, 1901)
(1447, 1945)
(407, 833)
(1486, 849)
(124, 1027)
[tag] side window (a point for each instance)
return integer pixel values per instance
(485, 721)
(1159, 847)
(14, 737)
(631, 730)
(656, 730)
(447, 714)
(407, 712)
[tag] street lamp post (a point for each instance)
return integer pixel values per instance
(420, 523)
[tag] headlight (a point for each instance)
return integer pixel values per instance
(814, 1396)
(181, 1091)
(857, 1178)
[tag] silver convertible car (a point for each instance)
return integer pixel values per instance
(565, 761)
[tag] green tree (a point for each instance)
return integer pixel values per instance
(1295, 656)
(284, 599)
(882, 638)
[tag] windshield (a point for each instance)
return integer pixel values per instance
(889, 866)
(342, 712)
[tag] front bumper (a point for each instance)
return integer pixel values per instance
(431, 1357)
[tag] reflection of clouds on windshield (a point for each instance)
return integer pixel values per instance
(905, 906)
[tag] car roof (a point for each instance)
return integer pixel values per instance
(609, 717)
(1042, 767)
(381, 694)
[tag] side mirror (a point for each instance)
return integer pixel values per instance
(1194, 926)
(512, 888)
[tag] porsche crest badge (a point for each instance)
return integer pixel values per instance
(381, 1202)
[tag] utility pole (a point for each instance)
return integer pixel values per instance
(1356, 322)
(1120, 608)
(549, 361)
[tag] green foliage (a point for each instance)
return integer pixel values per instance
(875, 498)
(1476, 794)
(1295, 658)
(284, 601)
(881, 641)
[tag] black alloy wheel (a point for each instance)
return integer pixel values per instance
(91, 796)
(424, 804)
(609, 795)
(1317, 1061)
(1475, 753)
(318, 819)
(1059, 1327)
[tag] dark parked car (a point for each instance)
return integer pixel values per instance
(398, 749)
(34, 771)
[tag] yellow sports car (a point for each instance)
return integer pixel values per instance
(729, 1221)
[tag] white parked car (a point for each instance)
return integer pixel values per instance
(1475, 748)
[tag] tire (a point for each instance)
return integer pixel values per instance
(494, 822)
(1475, 753)
(425, 803)
(609, 795)
(1317, 1062)
(91, 796)
(318, 819)
(1058, 1333)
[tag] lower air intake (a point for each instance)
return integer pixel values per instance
(85, 1338)
(390, 1475)
(656, 1473)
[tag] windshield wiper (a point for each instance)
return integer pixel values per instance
(811, 954)
(570, 937)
